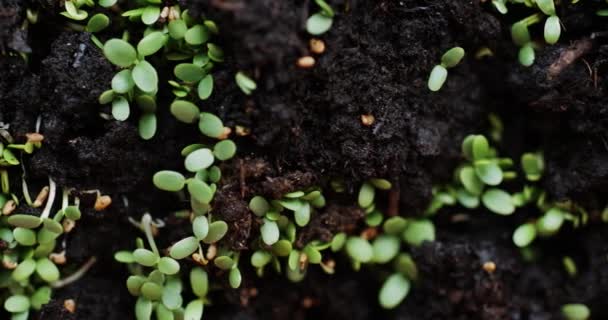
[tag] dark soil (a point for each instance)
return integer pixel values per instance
(306, 129)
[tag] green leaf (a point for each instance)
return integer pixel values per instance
(134, 284)
(150, 15)
(282, 248)
(338, 241)
(143, 309)
(24, 270)
(197, 35)
(318, 23)
(47, 270)
(163, 313)
(194, 310)
(546, 6)
(177, 29)
(437, 78)
(199, 160)
(386, 247)
(550, 222)
(223, 262)
(145, 77)
(259, 206)
(381, 184)
(17, 303)
(184, 248)
(25, 237)
(452, 57)
(246, 84)
(106, 97)
(200, 191)
(72, 213)
(168, 266)
(98, 22)
(575, 311)
(234, 278)
(107, 3)
(120, 52)
(418, 231)
(217, 230)
(533, 165)
(466, 199)
(169, 180)
(260, 258)
(270, 232)
(124, 257)
(302, 214)
(524, 235)
(526, 55)
(481, 148)
(325, 8)
(210, 125)
(122, 82)
(145, 257)
(553, 30)
(359, 249)
(520, 33)
(395, 225)
(40, 297)
(393, 291)
(489, 172)
(120, 109)
(205, 87)
(470, 180)
(24, 221)
(199, 282)
(498, 201)
(185, 111)
(200, 227)
(215, 53)
(151, 43)
(366, 195)
(189, 72)
(147, 126)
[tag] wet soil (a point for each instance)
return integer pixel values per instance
(305, 128)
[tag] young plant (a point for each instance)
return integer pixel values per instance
(439, 74)
(320, 22)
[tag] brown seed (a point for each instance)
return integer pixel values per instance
(225, 134)
(306, 62)
(367, 119)
(489, 267)
(211, 252)
(199, 259)
(58, 258)
(102, 202)
(369, 233)
(9, 207)
(303, 261)
(253, 292)
(317, 46)
(242, 131)
(68, 225)
(69, 305)
(307, 302)
(34, 137)
(41, 197)
(9, 264)
(164, 13)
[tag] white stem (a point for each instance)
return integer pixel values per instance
(146, 221)
(76, 275)
(50, 200)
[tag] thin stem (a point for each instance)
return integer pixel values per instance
(530, 20)
(50, 200)
(146, 222)
(76, 275)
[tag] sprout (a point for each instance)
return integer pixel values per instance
(359, 249)
(524, 235)
(210, 125)
(119, 52)
(150, 15)
(575, 311)
(416, 232)
(224, 150)
(385, 248)
(217, 230)
(184, 111)
(169, 180)
(177, 29)
(533, 165)
(246, 84)
(196, 35)
(97, 23)
(199, 160)
(321, 21)
(366, 195)
(183, 248)
(439, 74)
(270, 232)
(498, 201)
(259, 206)
(205, 87)
(552, 30)
(393, 291)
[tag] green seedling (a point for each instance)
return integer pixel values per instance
(320, 22)
(439, 74)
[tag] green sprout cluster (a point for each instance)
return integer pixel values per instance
(477, 183)
(320, 22)
(28, 275)
(439, 74)
(520, 30)
(170, 34)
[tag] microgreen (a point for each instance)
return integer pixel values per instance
(393, 291)
(320, 22)
(246, 84)
(439, 74)
(575, 311)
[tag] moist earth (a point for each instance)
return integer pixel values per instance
(306, 128)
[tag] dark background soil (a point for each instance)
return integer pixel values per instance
(305, 128)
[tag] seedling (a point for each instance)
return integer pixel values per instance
(439, 74)
(320, 22)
